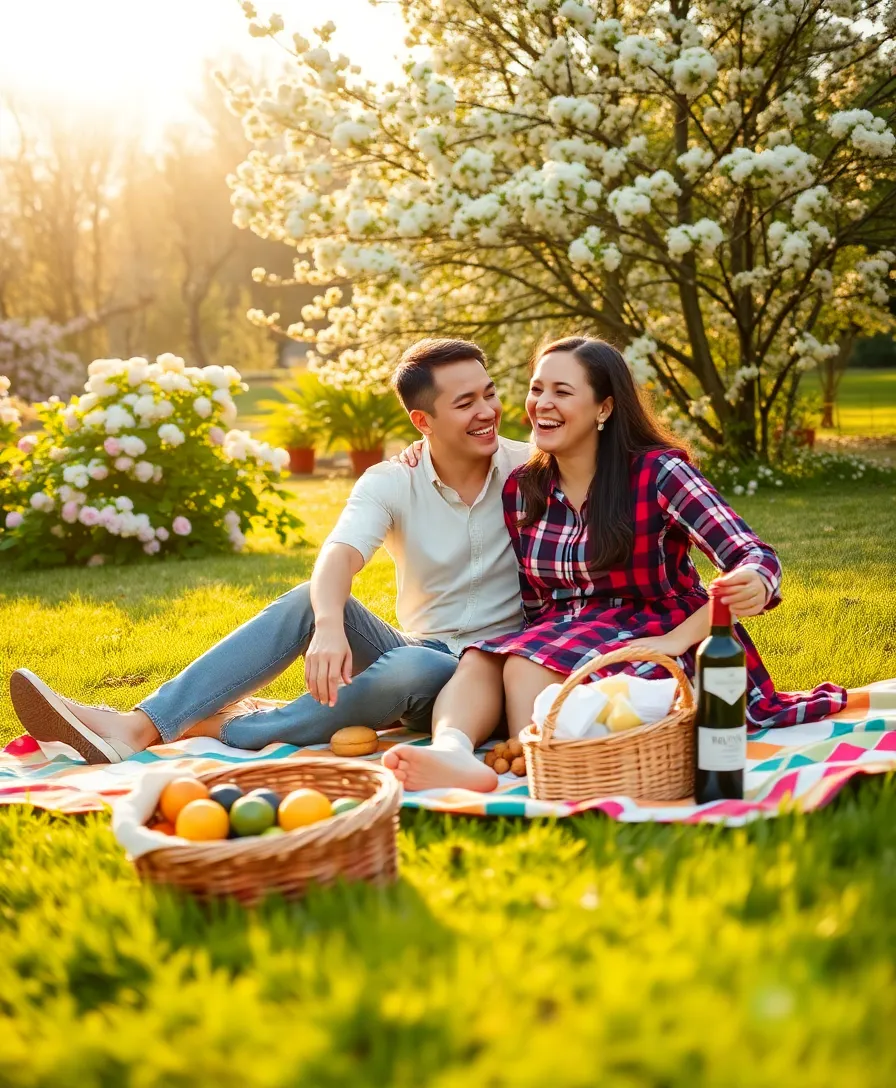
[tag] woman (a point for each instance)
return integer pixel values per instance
(602, 518)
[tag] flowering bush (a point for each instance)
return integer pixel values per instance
(644, 170)
(141, 464)
(804, 467)
(30, 352)
(9, 415)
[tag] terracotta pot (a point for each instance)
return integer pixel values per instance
(362, 460)
(301, 461)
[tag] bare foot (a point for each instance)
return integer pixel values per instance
(434, 768)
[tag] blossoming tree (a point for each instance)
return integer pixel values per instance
(695, 181)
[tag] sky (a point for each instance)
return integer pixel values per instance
(144, 58)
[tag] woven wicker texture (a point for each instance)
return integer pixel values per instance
(650, 762)
(360, 844)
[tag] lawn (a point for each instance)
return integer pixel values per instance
(866, 402)
(511, 953)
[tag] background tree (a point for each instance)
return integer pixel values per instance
(695, 181)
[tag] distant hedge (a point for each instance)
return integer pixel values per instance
(875, 351)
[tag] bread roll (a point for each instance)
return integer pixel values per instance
(354, 740)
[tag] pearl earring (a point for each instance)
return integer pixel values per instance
(600, 426)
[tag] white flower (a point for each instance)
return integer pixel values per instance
(867, 133)
(171, 434)
(232, 520)
(705, 235)
(94, 418)
(202, 406)
(174, 382)
(162, 533)
(170, 363)
(124, 504)
(124, 464)
(138, 372)
(627, 204)
(41, 501)
(693, 71)
(152, 547)
(117, 418)
(694, 161)
(77, 475)
(132, 445)
(143, 471)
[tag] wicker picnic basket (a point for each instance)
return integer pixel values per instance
(360, 844)
(650, 762)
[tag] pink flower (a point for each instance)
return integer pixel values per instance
(216, 436)
(14, 519)
(124, 463)
(70, 511)
(99, 472)
(181, 526)
(162, 533)
(89, 516)
(152, 547)
(112, 446)
(27, 443)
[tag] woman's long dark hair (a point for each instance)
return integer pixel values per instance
(631, 429)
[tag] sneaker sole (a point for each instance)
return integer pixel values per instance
(47, 718)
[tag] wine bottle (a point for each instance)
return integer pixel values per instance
(720, 744)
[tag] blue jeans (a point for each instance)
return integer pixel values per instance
(396, 678)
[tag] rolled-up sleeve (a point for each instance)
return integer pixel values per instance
(690, 500)
(369, 513)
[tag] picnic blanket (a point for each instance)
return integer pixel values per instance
(800, 767)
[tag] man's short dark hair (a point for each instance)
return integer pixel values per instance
(413, 379)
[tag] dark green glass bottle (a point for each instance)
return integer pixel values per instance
(720, 744)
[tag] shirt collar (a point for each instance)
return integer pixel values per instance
(433, 476)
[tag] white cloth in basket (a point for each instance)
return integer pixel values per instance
(578, 718)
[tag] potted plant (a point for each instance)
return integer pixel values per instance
(361, 420)
(295, 423)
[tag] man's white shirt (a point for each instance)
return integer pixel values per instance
(455, 570)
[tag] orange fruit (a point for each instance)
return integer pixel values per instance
(179, 792)
(202, 821)
(166, 827)
(303, 807)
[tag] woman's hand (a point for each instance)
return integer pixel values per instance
(743, 590)
(661, 644)
(410, 455)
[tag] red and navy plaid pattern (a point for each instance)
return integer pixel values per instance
(573, 614)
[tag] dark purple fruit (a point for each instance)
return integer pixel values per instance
(225, 794)
(273, 799)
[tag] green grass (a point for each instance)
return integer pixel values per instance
(511, 953)
(247, 403)
(866, 402)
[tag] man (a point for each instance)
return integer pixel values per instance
(456, 576)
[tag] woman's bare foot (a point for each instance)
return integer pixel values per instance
(433, 767)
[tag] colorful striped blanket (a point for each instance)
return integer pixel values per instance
(796, 768)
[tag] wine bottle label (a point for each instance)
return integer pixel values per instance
(722, 749)
(728, 683)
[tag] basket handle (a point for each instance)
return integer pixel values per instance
(614, 657)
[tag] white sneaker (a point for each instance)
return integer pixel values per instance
(46, 717)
